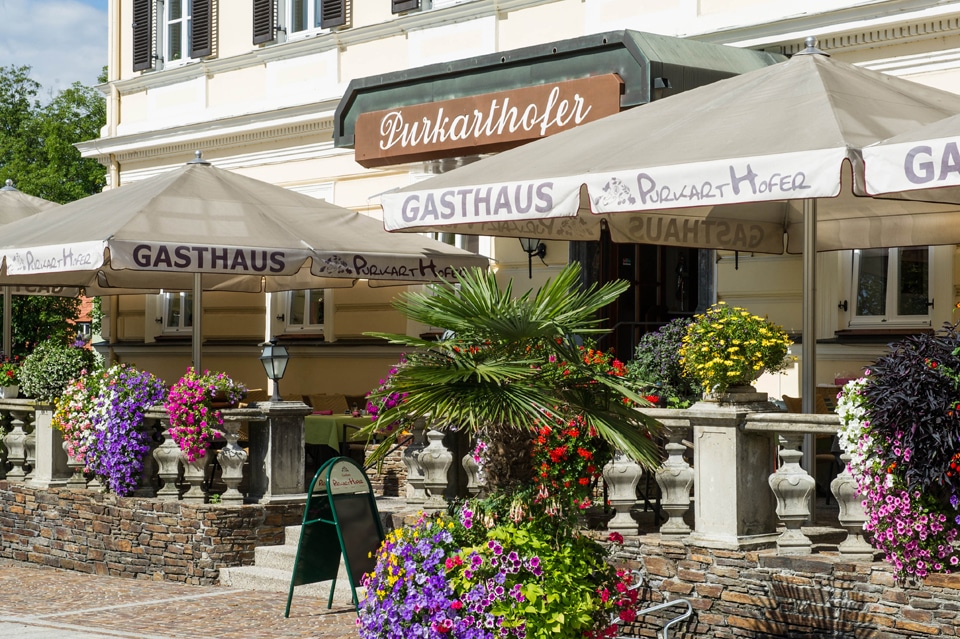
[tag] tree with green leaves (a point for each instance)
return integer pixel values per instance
(494, 372)
(37, 154)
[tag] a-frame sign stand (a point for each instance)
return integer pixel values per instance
(340, 519)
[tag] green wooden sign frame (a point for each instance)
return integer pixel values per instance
(340, 519)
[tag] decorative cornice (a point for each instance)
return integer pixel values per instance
(847, 29)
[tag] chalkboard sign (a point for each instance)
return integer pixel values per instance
(340, 519)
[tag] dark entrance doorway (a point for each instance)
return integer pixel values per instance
(666, 282)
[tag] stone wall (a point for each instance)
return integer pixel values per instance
(762, 595)
(390, 479)
(135, 537)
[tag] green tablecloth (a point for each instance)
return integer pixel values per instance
(328, 429)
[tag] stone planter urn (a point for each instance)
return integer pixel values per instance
(9, 392)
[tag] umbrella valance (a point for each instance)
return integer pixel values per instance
(726, 165)
(242, 234)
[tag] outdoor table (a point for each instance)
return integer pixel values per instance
(329, 429)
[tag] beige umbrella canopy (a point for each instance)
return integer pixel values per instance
(202, 228)
(740, 164)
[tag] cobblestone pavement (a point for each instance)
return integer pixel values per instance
(46, 603)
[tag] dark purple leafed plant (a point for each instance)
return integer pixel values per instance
(120, 442)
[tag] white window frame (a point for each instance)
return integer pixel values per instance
(890, 318)
(313, 18)
(186, 303)
(287, 299)
(164, 32)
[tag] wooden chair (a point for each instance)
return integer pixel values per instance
(336, 404)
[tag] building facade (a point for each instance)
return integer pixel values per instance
(281, 90)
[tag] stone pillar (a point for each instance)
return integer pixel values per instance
(622, 475)
(50, 468)
(734, 506)
(792, 486)
(675, 478)
(277, 456)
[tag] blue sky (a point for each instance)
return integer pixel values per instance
(63, 41)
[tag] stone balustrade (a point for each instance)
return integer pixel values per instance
(270, 469)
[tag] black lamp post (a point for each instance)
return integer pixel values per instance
(274, 359)
(533, 246)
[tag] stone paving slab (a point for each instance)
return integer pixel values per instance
(47, 603)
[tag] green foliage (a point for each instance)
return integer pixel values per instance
(37, 319)
(36, 140)
(656, 366)
(487, 373)
(46, 372)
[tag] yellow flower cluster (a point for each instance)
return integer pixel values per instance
(729, 346)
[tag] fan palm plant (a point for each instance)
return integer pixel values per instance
(493, 372)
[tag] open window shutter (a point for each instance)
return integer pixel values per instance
(264, 20)
(201, 29)
(399, 6)
(333, 13)
(142, 34)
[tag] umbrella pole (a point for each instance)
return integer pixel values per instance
(197, 321)
(7, 321)
(808, 350)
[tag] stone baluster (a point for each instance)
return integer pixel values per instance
(852, 516)
(792, 486)
(472, 468)
(167, 456)
(148, 474)
(622, 475)
(675, 478)
(435, 460)
(15, 443)
(194, 472)
(77, 480)
(231, 458)
(415, 492)
(30, 453)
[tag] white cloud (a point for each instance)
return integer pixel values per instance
(63, 41)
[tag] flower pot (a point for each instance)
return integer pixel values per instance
(9, 392)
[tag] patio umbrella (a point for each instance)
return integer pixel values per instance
(739, 164)
(202, 228)
(920, 164)
(16, 205)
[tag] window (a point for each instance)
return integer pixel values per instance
(304, 312)
(399, 6)
(177, 313)
(185, 32)
(305, 17)
(892, 286)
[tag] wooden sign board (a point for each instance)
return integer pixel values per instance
(482, 123)
(340, 519)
